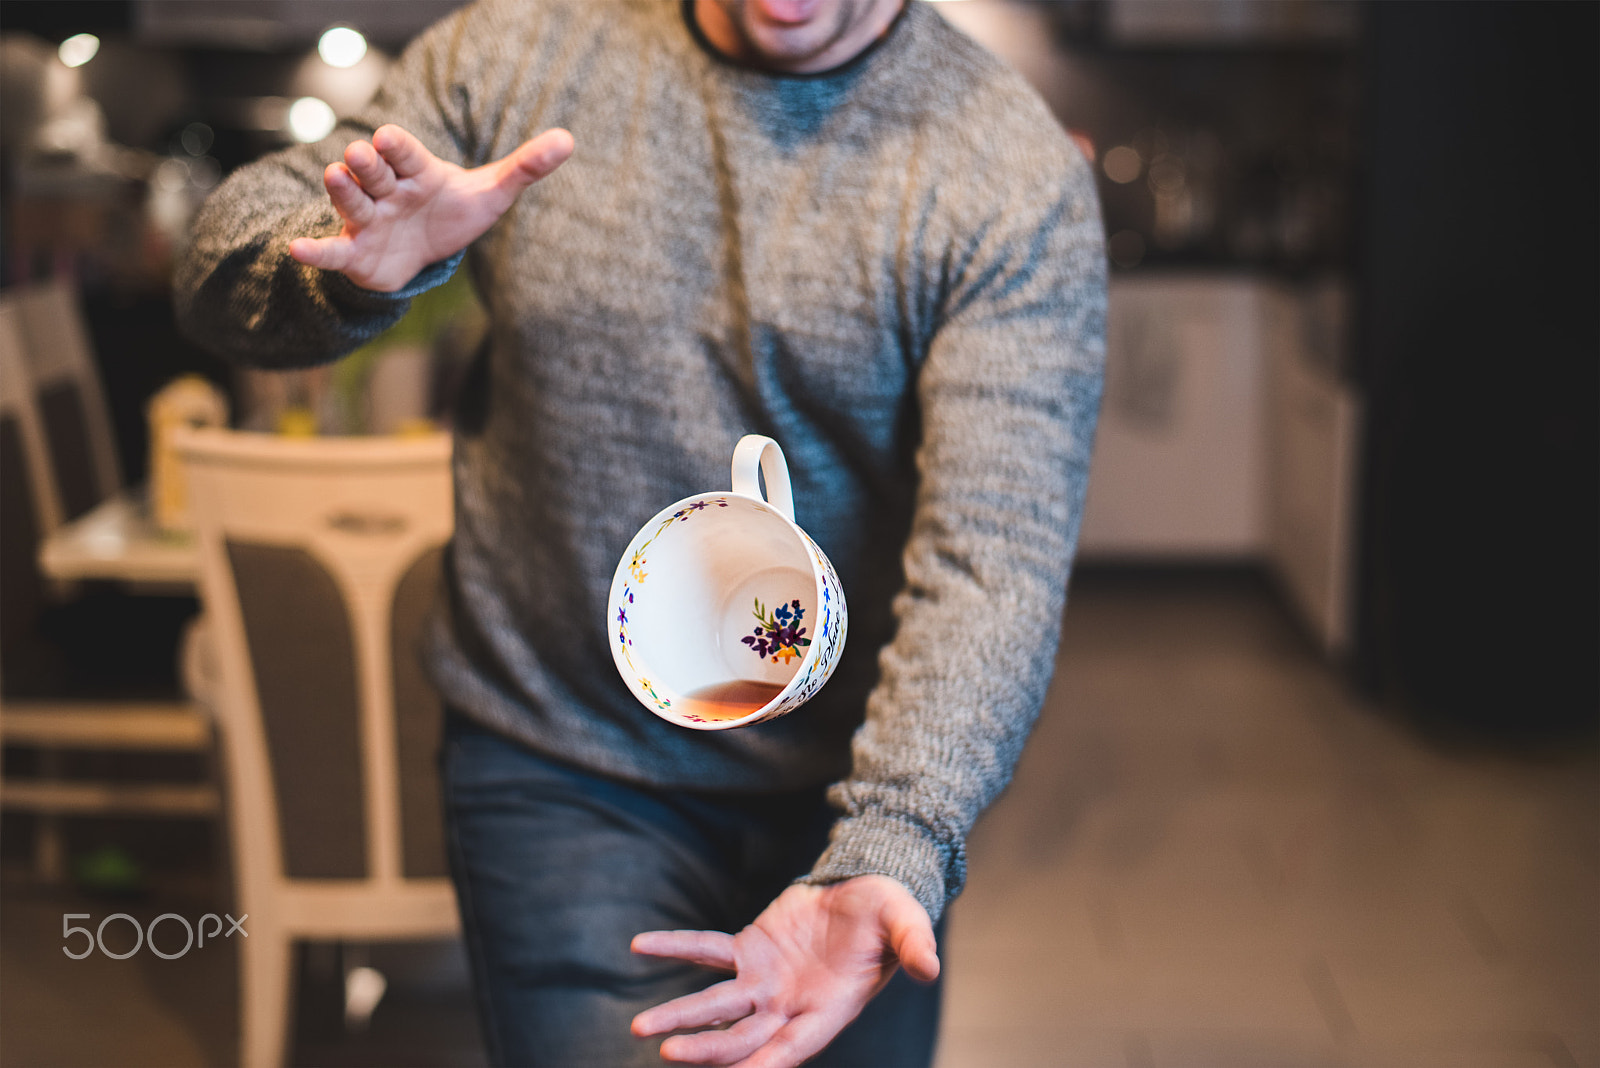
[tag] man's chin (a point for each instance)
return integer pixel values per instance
(792, 34)
(787, 13)
(780, 55)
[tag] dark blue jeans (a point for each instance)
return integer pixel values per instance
(556, 870)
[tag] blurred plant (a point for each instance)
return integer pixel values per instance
(108, 870)
(430, 318)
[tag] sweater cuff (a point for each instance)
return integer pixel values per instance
(884, 845)
(342, 291)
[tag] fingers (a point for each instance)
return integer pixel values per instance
(328, 253)
(710, 949)
(909, 933)
(349, 199)
(723, 1047)
(403, 152)
(711, 1007)
(532, 160)
(801, 1038)
(370, 169)
(914, 944)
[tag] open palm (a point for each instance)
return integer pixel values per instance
(404, 208)
(804, 969)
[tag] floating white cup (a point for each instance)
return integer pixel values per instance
(723, 612)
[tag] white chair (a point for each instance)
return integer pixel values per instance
(70, 398)
(319, 558)
(29, 510)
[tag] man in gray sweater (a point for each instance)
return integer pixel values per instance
(843, 225)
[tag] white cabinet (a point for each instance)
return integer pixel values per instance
(1179, 463)
(1313, 431)
(1226, 435)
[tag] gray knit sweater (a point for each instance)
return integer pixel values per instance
(894, 269)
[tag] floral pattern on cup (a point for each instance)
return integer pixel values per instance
(637, 562)
(627, 644)
(831, 636)
(779, 633)
(636, 569)
(661, 702)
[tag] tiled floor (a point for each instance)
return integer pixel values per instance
(1211, 855)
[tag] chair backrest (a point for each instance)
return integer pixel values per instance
(319, 559)
(70, 399)
(29, 509)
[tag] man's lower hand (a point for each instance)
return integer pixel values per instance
(803, 970)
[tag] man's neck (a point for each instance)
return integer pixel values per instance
(743, 43)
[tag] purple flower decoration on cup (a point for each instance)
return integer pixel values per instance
(780, 634)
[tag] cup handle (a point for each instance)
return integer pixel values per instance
(752, 451)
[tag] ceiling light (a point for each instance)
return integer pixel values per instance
(78, 49)
(342, 47)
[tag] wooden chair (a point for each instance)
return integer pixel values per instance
(29, 484)
(71, 402)
(29, 510)
(29, 507)
(141, 620)
(319, 559)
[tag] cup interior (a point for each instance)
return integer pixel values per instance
(716, 608)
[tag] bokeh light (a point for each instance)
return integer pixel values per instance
(342, 47)
(1126, 248)
(78, 49)
(196, 138)
(1123, 165)
(311, 119)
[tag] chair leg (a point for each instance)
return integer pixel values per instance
(49, 852)
(263, 997)
(49, 861)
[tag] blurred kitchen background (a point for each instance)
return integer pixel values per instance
(1317, 782)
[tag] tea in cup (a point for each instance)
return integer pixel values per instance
(723, 612)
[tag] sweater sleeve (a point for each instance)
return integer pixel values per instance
(1009, 394)
(237, 290)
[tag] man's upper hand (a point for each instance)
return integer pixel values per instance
(804, 969)
(404, 208)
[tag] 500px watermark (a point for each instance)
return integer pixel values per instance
(146, 936)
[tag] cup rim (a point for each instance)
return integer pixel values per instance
(630, 673)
